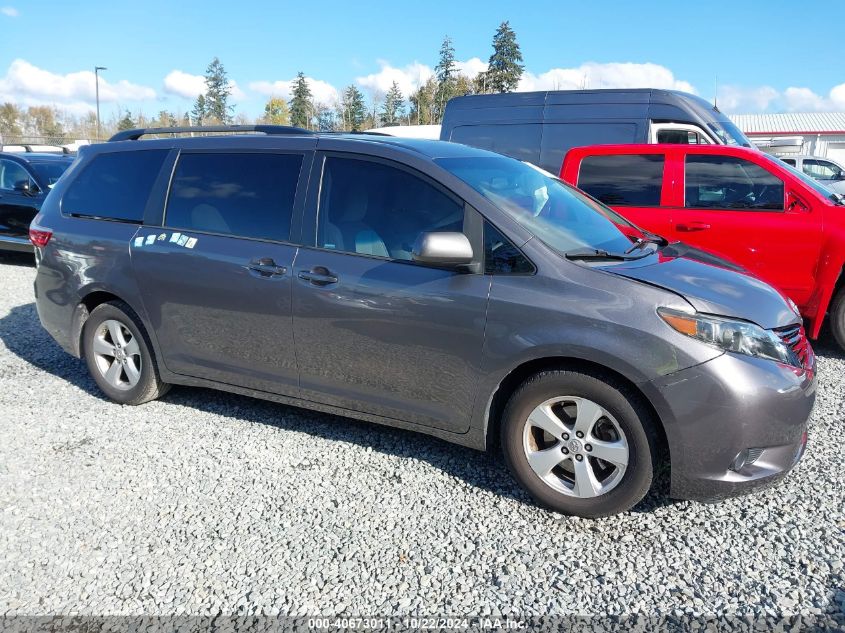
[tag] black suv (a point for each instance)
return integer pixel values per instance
(25, 181)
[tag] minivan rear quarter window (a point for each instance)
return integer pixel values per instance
(114, 186)
(623, 180)
(240, 194)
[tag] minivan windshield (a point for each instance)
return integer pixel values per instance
(553, 211)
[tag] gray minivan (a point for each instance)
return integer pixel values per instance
(428, 286)
(540, 127)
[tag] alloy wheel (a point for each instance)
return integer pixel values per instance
(117, 354)
(575, 446)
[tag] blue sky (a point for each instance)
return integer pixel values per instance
(155, 51)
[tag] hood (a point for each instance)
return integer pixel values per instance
(713, 289)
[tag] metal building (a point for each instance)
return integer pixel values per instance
(811, 133)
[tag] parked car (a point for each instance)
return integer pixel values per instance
(743, 205)
(539, 127)
(25, 180)
(828, 172)
(428, 286)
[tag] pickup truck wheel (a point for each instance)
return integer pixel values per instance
(837, 317)
(580, 443)
(119, 356)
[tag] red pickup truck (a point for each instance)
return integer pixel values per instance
(738, 203)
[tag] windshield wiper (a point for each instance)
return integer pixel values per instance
(648, 238)
(596, 253)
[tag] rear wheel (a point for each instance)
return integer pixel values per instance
(579, 443)
(837, 317)
(118, 355)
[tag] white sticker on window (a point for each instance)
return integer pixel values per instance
(191, 242)
(182, 240)
(139, 241)
(162, 237)
(175, 237)
(150, 239)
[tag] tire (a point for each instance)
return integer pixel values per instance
(837, 317)
(118, 353)
(622, 430)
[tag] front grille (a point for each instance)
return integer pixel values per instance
(795, 338)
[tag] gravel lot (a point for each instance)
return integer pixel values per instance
(205, 502)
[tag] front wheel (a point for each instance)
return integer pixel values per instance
(580, 443)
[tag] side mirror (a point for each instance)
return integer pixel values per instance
(443, 249)
(795, 204)
(26, 187)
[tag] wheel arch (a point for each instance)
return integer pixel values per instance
(511, 382)
(87, 303)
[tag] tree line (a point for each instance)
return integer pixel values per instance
(353, 110)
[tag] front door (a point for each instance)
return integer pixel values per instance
(376, 332)
(216, 278)
(737, 209)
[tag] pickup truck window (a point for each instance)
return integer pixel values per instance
(728, 182)
(623, 180)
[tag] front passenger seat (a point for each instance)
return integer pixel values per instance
(354, 231)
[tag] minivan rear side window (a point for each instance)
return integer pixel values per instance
(623, 180)
(240, 194)
(730, 182)
(114, 185)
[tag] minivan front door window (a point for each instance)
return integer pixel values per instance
(371, 208)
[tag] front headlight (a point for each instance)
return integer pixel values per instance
(730, 335)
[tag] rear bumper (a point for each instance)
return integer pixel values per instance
(12, 243)
(714, 411)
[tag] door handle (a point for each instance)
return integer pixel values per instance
(266, 267)
(319, 276)
(692, 227)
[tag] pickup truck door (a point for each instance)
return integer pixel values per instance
(744, 211)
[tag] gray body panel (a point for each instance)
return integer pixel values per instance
(420, 347)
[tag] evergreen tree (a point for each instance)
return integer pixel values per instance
(446, 72)
(127, 122)
(217, 93)
(199, 112)
(300, 106)
(276, 112)
(394, 106)
(505, 65)
(353, 108)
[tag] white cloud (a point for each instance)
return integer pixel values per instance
(746, 99)
(610, 75)
(408, 78)
(471, 67)
(183, 84)
(190, 86)
(322, 91)
(793, 99)
(411, 76)
(10, 12)
(28, 84)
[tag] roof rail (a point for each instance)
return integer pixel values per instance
(134, 135)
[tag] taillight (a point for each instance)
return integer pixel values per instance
(39, 236)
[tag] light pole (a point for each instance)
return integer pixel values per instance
(97, 70)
